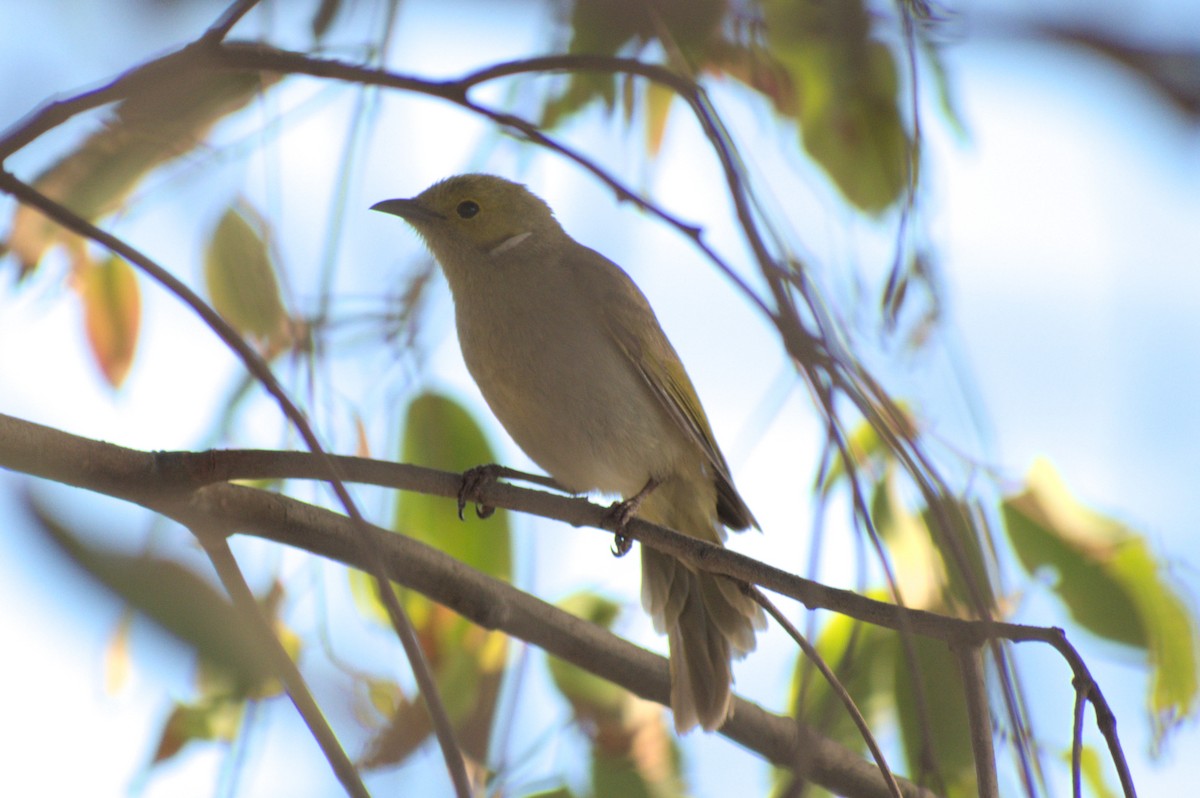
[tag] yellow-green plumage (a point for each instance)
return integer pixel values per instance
(570, 357)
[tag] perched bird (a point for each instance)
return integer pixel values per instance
(571, 359)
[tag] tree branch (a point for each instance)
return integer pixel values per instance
(187, 488)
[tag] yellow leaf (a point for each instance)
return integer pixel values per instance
(658, 108)
(112, 312)
(117, 663)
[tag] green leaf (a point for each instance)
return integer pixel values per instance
(468, 661)
(847, 97)
(1111, 584)
(944, 725)
(240, 275)
(1094, 766)
(205, 721)
(557, 792)
(688, 28)
(440, 433)
(592, 698)
(867, 448)
(960, 540)
(858, 654)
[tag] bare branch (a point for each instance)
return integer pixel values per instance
(836, 685)
(979, 717)
(217, 548)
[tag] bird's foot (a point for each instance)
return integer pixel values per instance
(622, 512)
(473, 481)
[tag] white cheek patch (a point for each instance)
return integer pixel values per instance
(509, 243)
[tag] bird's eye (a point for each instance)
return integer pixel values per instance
(468, 208)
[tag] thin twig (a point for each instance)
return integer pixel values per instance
(835, 684)
(216, 546)
(220, 29)
(1077, 742)
(979, 716)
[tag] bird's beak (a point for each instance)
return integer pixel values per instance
(408, 209)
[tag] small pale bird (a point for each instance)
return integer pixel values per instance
(571, 359)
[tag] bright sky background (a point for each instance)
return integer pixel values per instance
(1068, 230)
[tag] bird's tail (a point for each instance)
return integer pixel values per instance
(708, 622)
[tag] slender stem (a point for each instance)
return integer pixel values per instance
(1077, 742)
(979, 716)
(838, 688)
(217, 548)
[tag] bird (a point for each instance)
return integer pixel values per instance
(571, 359)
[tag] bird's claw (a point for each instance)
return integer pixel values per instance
(473, 480)
(621, 513)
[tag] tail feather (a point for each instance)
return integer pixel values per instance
(708, 622)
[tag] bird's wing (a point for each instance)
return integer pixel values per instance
(625, 310)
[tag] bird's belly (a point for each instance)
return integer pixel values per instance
(589, 421)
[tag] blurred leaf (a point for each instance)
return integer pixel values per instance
(117, 663)
(468, 661)
(961, 543)
(948, 730)
(847, 97)
(945, 93)
(240, 276)
(170, 106)
(362, 446)
(658, 108)
(595, 700)
(1093, 767)
(754, 66)
(1049, 529)
(173, 597)
(1111, 583)
(383, 695)
(686, 28)
(867, 449)
(112, 312)
(557, 792)
(634, 753)
(206, 721)
(440, 433)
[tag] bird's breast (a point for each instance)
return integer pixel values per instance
(567, 395)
